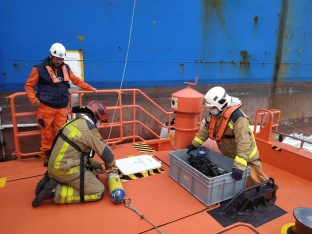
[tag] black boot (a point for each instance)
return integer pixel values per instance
(46, 193)
(45, 179)
(46, 161)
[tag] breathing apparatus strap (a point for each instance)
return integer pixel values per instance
(57, 135)
(81, 178)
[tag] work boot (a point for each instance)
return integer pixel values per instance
(45, 179)
(46, 193)
(46, 162)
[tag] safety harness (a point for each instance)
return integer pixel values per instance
(224, 121)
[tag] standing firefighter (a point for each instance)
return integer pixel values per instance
(229, 127)
(52, 78)
(72, 170)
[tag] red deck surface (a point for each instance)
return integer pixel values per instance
(159, 198)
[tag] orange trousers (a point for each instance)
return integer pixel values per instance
(50, 120)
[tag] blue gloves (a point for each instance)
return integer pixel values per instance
(237, 174)
(190, 148)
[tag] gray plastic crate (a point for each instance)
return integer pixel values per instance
(208, 190)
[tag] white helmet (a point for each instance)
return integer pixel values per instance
(58, 50)
(217, 97)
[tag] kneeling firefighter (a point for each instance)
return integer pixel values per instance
(229, 127)
(71, 168)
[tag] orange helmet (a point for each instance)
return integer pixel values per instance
(99, 110)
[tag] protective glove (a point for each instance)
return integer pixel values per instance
(100, 170)
(190, 148)
(237, 174)
(111, 170)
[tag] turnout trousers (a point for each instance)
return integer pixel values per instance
(256, 175)
(70, 192)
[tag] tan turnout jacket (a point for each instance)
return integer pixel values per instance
(64, 162)
(237, 142)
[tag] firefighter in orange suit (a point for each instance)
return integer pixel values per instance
(71, 169)
(229, 127)
(52, 80)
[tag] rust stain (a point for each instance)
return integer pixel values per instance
(212, 14)
(280, 40)
(81, 38)
(244, 55)
(279, 68)
(244, 63)
(212, 7)
(283, 69)
(199, 61)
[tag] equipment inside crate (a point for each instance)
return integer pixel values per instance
(209, 190)
(205, 166)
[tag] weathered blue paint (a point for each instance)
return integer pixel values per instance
(220, 41)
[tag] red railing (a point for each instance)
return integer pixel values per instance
(274, 152)
(266, 120)
(119, 121)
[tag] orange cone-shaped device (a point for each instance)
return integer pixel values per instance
(187, 105)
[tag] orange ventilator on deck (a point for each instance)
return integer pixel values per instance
(187, 105)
